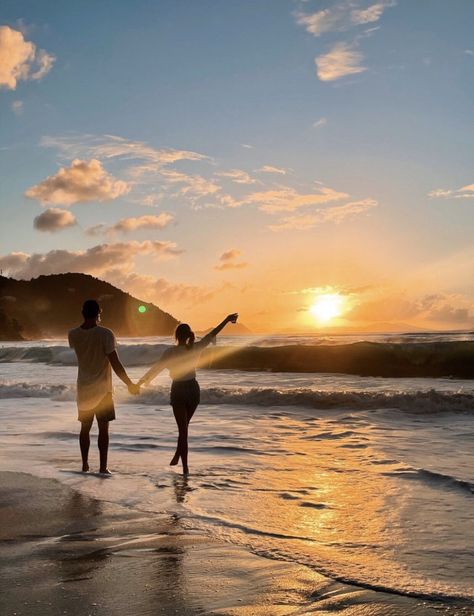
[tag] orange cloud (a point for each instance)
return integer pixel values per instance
(126, 225)
(160, 290)
(342, 16)
(83, 181)
(237, 175)
(54, 219)
(194, 185)
(113, 146)
(20, 59)
(96, 260)
(436, 309)
(228, 260)
(272, 169)
(288, 199)
(465, 192)
(341, 60)
(334, 214)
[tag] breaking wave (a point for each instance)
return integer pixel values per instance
(421, 402)
(427, 359)
(131, 354)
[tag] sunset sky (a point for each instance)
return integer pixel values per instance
(248, 156)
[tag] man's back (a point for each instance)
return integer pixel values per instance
(94, 379)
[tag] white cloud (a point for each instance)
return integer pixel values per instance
(44, 62)
(335, 214)
(326, 20)
(229, 260)
(320, 122)
(342, 16)
(151, 169)
(20, 59)
(343, 59)
(288, 199)
(54, 219)
(237, 175)
(194, 185)
(152, 200)
(17, 107)
(272, 169)
(229, 201)
(113, 146)
(96, 260)
(465, 192)
(372, 13)
(127, 225)
(83, 181)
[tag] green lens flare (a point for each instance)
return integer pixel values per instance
(142, 308)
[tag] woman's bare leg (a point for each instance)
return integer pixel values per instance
(180, 415)
(189, 416)
(175, 458)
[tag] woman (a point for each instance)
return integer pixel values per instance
(181, 361)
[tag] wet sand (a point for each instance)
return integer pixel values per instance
(64, 553)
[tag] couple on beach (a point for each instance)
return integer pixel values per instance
(95, 348)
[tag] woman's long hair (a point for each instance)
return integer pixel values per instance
(184, 335)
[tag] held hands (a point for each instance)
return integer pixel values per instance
(232, 318)
(134, 388)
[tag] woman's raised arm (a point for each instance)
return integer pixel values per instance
(207, 339)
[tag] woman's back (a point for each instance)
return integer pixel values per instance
(182, 361)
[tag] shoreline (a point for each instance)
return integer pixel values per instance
(66, 553)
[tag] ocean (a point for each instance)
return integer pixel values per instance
(366, 479)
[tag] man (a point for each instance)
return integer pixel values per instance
(95, 349)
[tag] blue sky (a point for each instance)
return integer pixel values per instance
(357, 105)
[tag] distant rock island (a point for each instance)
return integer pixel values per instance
(48, 306)
(234, 329)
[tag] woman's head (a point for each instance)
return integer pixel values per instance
(184, 334)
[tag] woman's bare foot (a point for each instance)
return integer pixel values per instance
(105, 471)
(85, 468)
(185, 470)
(174, 459)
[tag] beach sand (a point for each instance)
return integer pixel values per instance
(64, 553)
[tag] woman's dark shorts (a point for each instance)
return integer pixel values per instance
(104, 411)
(185, 394)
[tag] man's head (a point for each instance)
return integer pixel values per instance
(90, 309)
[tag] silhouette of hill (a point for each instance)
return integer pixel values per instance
(48, 306)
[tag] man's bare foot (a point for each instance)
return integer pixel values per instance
(185, 470)
(174, 460)
(85, 468)
(104, 471)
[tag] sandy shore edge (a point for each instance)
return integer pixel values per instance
(64, 553)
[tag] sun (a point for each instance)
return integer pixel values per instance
(327, 307)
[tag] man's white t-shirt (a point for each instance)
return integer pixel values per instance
(94, 377)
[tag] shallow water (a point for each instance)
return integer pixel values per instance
(367, 480)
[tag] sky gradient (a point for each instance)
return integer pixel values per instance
(245, 156)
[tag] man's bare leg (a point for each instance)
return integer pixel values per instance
(103, 443)
(84, 443)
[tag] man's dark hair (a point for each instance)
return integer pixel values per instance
(90, 309)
